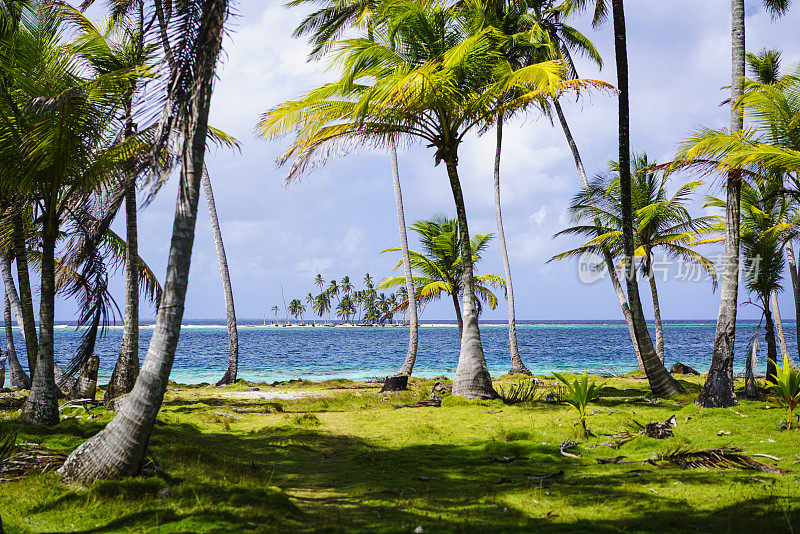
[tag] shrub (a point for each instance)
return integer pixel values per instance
(787, 389)
(579, 392)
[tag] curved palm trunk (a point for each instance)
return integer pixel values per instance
(26, 300)
(657, 315)
(772, 350)
(472, 378)
(718, 391)
(126, 369)
(118, 450)
(41, 406)
(790, 259)
(661, 382)
(776, 311)
(18, 378)
(233, 335)
(459, 319)
(413, 326)
(608, 260)
(516, 361)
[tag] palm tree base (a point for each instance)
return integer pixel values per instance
(227, 379)
(520, 370)
(395, 383)
(717, 391)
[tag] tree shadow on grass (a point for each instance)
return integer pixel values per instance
(300, 477)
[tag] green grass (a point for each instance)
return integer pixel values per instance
(349, 461)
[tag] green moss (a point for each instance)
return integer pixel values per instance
(349, 461)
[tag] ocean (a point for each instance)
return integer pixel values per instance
(270, 353)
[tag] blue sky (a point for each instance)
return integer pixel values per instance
(338, 218)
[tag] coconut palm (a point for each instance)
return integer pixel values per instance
(345, 286)
(661, 382)
(345, 309)
(196, 29)
(662, 223)
(322, 304)
(762, 235)
(275, 309)
(393, 89)
(333, 289)
(295, 307)
(439, 268)
(310, 302)
(319, 281)
(718, 388)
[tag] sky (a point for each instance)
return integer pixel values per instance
(338, 218)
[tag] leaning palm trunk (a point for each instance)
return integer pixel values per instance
(413, 326)
(472, 378)
(661, 382)
(18, 377)
(776, 310)
(41, 406)
(516, 361)
(127, 367)
(233, 335)
(657, 314)
(119, 449)
(718, 391)
(609, 261)
(790, 259)
(26, 300)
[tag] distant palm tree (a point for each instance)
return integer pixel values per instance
(322, 304)
(661, 222)
(319, 281)
(333, 289)
(345, 286)
(345, 309)
(295, 308)
(310, 302)
(439, 267)
(275, 310)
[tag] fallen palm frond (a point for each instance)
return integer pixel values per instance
(30, 458)
(7, 445)
(721, 458)
(521, 391)
(420, 404)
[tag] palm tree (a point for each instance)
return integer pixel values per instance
(345, 286)
(310, 302)
(345, 309)
(401, 87)
(322, 304)
(333, 288)
(661, 382)
(439, 267)
(275, 309)
(662, 221)
(197, 28)
(18, 378)
(59, 116)
(295, 307)
(319, 281)
(718, 388)
(763, 212)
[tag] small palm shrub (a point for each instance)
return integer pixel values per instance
(521, 391)
(787, 389)
(579, 392)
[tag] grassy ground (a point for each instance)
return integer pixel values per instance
(349, 461)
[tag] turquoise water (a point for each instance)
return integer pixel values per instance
(319, 353)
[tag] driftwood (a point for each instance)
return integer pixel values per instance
(682, 369)
(395, 383)
(569, 444)
(420, 404)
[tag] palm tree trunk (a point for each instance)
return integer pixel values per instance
(18, 378)
(516, 361)
(472, 378)
(657, 314)
(459, 319)
(609, 261)
(118, 450)
(41, 406)
(661, 382)
(233, 334)
(790, 259)
(26, 299)
(413, 328)
(127, 367)
(772, 351)
(11, 289)
(776, 310)
(717, 392)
